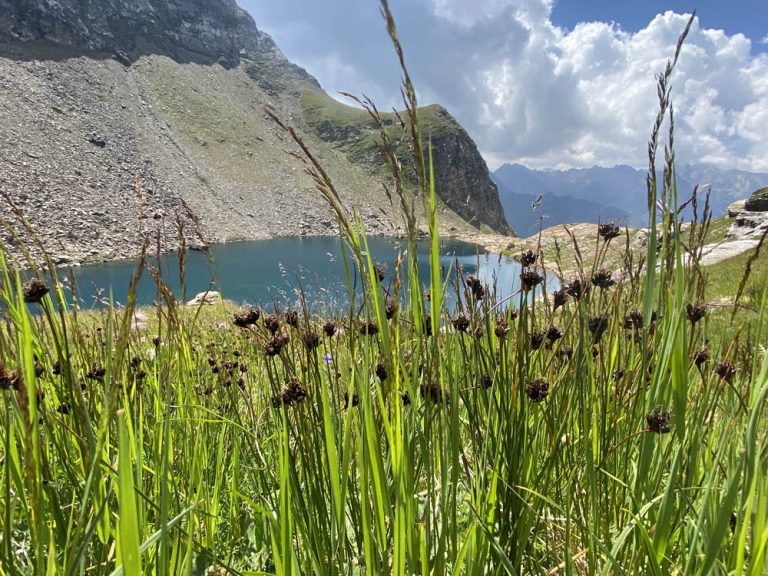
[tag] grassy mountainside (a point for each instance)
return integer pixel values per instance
(462, 176)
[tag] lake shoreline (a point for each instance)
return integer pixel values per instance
(490, 242)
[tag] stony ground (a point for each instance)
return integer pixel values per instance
(98, 155)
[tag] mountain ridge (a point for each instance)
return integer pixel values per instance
(98, 148)
(625, 188)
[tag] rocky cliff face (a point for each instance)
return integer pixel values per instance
(184, 28)
(118, 115)
(465, 186)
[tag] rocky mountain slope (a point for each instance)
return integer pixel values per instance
(116, 113)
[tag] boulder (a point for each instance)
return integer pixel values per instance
(736, 208)
(758, 202)
(205, 299)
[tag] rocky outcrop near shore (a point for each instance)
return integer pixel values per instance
(123, 119)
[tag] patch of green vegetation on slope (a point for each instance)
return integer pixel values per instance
(354, 132)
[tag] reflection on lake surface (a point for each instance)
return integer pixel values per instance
(266, 271)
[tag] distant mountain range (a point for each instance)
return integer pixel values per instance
(617, 193)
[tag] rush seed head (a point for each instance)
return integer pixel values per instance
(608, 231)
(246, 316)
(695, 312)
(528, 258)
(537, 389)
(659, 421)
(530, 279)
(34, 290)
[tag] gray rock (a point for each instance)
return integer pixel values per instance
(714, 253)
(758, 202)
(748, 225)
(205, 299)
(736, 208)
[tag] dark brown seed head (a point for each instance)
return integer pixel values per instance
(528, 258)
(701, 356)
(536, 339)
(618, 374)
(272, 323)
(461, 323)
(633, 320)
(246, 316)
(329, 328)
(156, 340)
(63, 409)
(530, 279)
(293, 392)
(486, 381)
(537, 389)
(8, 378)
(39, 369)
(96, 372)
(603, 279)
(554, 333)
(355, 400)
(475, 287)
(608, 231)
(659, 421)
(390, 309)
(695, 312)
(276, 344)
(576, 288)
(292, 318)
(478, 331)
(381, 371)
(369, 328)
(230, 366)
(311, 340)
(559, 298)
(597, 326)
(502, 327)
(405, 398)
(56, 368)
(432, 392)
(725, 370)
(34, 290)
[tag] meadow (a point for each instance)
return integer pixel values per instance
(615, 426)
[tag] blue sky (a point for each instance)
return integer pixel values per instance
(550, 83)
(749, 17)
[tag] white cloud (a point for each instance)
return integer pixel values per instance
(764, 39)
(530, 92)
(585, 96)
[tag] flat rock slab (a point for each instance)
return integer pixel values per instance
(714, 253)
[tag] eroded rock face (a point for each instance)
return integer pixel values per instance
(758, 202)
(465, 185)
(185, 29)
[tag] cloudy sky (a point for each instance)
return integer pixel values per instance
(551, 83)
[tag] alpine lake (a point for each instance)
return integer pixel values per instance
(283, 271)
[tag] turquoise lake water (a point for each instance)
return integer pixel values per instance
(273, 271)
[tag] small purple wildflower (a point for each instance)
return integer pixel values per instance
(328, 358)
